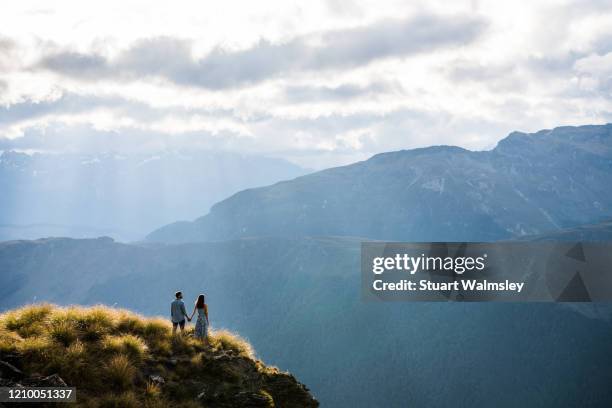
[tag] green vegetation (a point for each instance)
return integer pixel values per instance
(116, 358)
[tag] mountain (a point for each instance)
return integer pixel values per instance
(120, 196)
(528, 184)
(600, 232)
(297, 300)
(115, 358)
(296, 294)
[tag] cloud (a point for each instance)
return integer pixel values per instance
(125, 114)
(596, 65)
(74, 64)
(6, 44)
(596, 73)
(84, 138)
(65, 104)
(465, 70)
(172, 59)
(7, 48)
(301, 94)
(325, 84)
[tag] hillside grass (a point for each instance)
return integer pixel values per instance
(100, 348)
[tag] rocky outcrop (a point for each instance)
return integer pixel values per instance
(119, 359)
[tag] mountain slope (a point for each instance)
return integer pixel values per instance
(528, 184)
(600, 232)
(124, 197)
(116, 358)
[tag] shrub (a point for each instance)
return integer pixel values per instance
(83, 319)
(99, 315)
(120, 372)
(182, 344)
(63, 332)
(152, 390)
(155, 329)
(125, 400)
(8, 341)
(130, 323)
(134, 347)
(27, 316)
(197, 359)
(269, 400)
(75, 351)
(35, 348)
(226, 340)
(36, 329)
(71, 364)
(188, 404)
(126, 344)
(161, 347)
(94, 332)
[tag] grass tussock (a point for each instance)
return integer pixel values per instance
(125, 400)
(103, 348)
(126, 344)
(226, 341)
(63, 332)
(120, 372)
(28, 316)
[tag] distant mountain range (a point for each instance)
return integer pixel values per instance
(528, 184)
(120, 196)
(298, 302)
(272, 270)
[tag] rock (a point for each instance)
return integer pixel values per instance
(52, 380)
(9, 371)
(157, 379)
(251, 399)
(7, 383)
(287, 391)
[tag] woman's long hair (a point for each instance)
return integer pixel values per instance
(200, 302)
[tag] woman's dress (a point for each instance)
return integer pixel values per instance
(201, 327)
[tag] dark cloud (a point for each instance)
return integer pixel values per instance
(77, 65)
(7, 47)
(395, 38)
(66, 104)
(603, 44)
(300, 94)
(554, 64)
(172, 59)
(472, 71)
(496, 77)
(71, 103)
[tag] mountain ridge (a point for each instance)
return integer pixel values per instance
(528, 184)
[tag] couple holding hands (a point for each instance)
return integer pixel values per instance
(179, 314)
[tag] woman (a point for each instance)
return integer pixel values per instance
(201, 327)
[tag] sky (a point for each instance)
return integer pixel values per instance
(319, 83)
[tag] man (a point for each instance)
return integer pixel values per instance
(178, 313)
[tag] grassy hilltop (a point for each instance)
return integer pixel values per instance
(116, 358)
